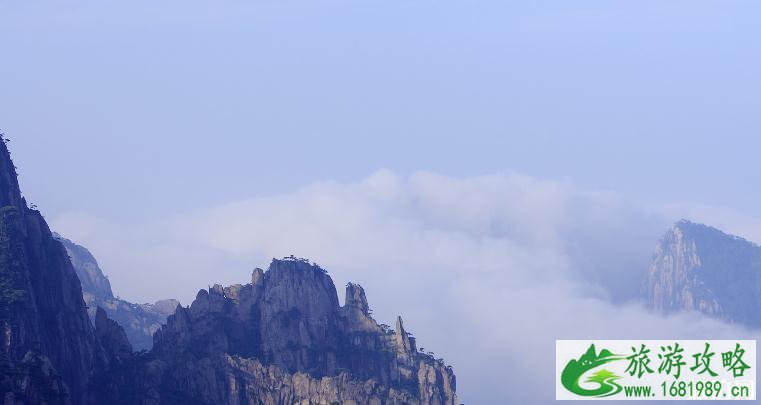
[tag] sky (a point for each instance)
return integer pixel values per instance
(190, 104)
(492, 151)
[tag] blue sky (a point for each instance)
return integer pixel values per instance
(190, 104)
(458, 159)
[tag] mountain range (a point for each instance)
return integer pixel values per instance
(139, 321)
(283, 338)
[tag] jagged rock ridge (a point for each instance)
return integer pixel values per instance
(139, 321)
(282, 339)
(699, 268)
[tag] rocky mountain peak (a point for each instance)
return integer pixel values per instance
(290, 280)
(282, 339)
(289, 319)
(356, 299)
(700, 268)
(256, 275)
(162, 307)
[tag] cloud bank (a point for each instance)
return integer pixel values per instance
(487, 271)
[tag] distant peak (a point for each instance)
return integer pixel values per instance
(694, 230)
(685, 225)
(684, 222)
(696, 267)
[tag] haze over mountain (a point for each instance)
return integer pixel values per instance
(139, 321)
(699, 268)
(477, 268)
(472, 164)
(462, 256)
(281, 339)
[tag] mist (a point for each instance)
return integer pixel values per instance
(486, 271)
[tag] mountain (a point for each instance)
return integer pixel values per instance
(49, 348)
(139, 321)
(94, 282)
(699, 268)
(283, 338)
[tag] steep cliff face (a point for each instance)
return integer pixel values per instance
(48, 347)
(140, 321)
(94, 282)
(699, 268)
(112, 338)
(282, 339)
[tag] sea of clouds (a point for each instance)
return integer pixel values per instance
(486, 271)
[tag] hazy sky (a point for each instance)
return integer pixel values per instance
(457, 158)
(136, 109)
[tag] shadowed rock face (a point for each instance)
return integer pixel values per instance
(699, 268)
(112, 337)
(139, 321)
(48, 347)
(281, 339)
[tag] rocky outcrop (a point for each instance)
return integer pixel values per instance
(140, 321)
(699, 268)
(356, 300)
(237, 380)
(94, 282)
(283, 339)
(33, 380)
(112, 338)
(48, 347)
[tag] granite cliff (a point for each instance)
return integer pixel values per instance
(139, 321)
(699, 268)
(283, 338)
(49, 348)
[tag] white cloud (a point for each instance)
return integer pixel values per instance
(488, 271)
